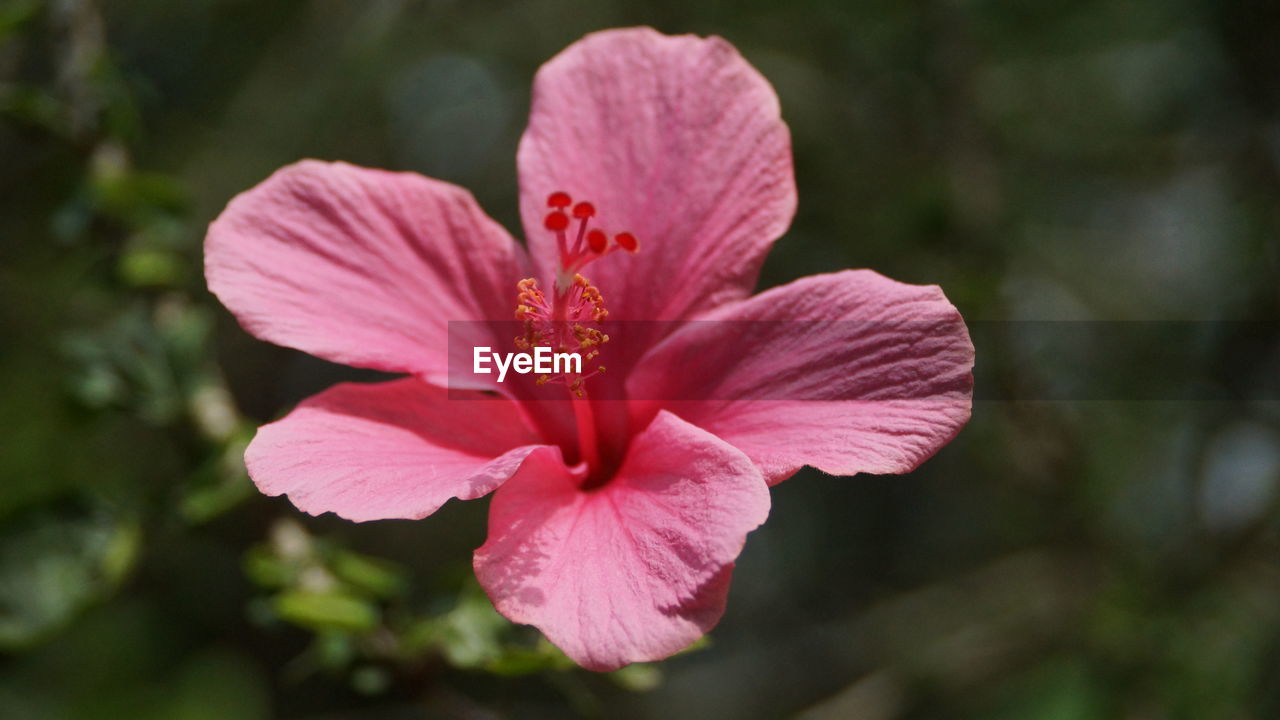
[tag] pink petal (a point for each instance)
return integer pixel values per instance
(675, 139)
(398, 449)
(635, 570)
(849, 372)
(362, 267)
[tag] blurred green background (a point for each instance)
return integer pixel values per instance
(1076, 161)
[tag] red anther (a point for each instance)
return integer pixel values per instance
(556, 221)
(597, 241)
(627, 241)
(584, 210)
(559, 200)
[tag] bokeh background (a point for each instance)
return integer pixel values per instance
(1102, 540)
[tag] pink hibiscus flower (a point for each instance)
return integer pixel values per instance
(621, 498)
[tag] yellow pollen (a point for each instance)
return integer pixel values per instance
(561, 325)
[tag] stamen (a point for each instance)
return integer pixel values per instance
(559, 200)
(563, 326)
(584, 210)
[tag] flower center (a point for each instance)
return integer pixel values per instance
(564, 322)
(559, 324)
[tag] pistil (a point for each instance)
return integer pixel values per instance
(565, 322)
(584, 418)
(589, 245)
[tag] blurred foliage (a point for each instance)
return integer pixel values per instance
(1048, 161)
(356, 607)
(52, 567)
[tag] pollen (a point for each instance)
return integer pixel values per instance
(564, 323)
(566, 317)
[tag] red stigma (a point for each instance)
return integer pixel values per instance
(556, 221)
(597, 241)
(584, 244)
(627, 241)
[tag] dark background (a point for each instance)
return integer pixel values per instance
(1079, 551)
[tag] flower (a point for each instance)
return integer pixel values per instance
(659, 168)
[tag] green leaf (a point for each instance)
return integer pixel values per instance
(54, 567)
(327, 611)
(267, 569)
(370, 680)
(150, 267)
(641, 677)
(376, 577)
(520, 661)
(469, 634)
(217, 487)
(16, 13)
